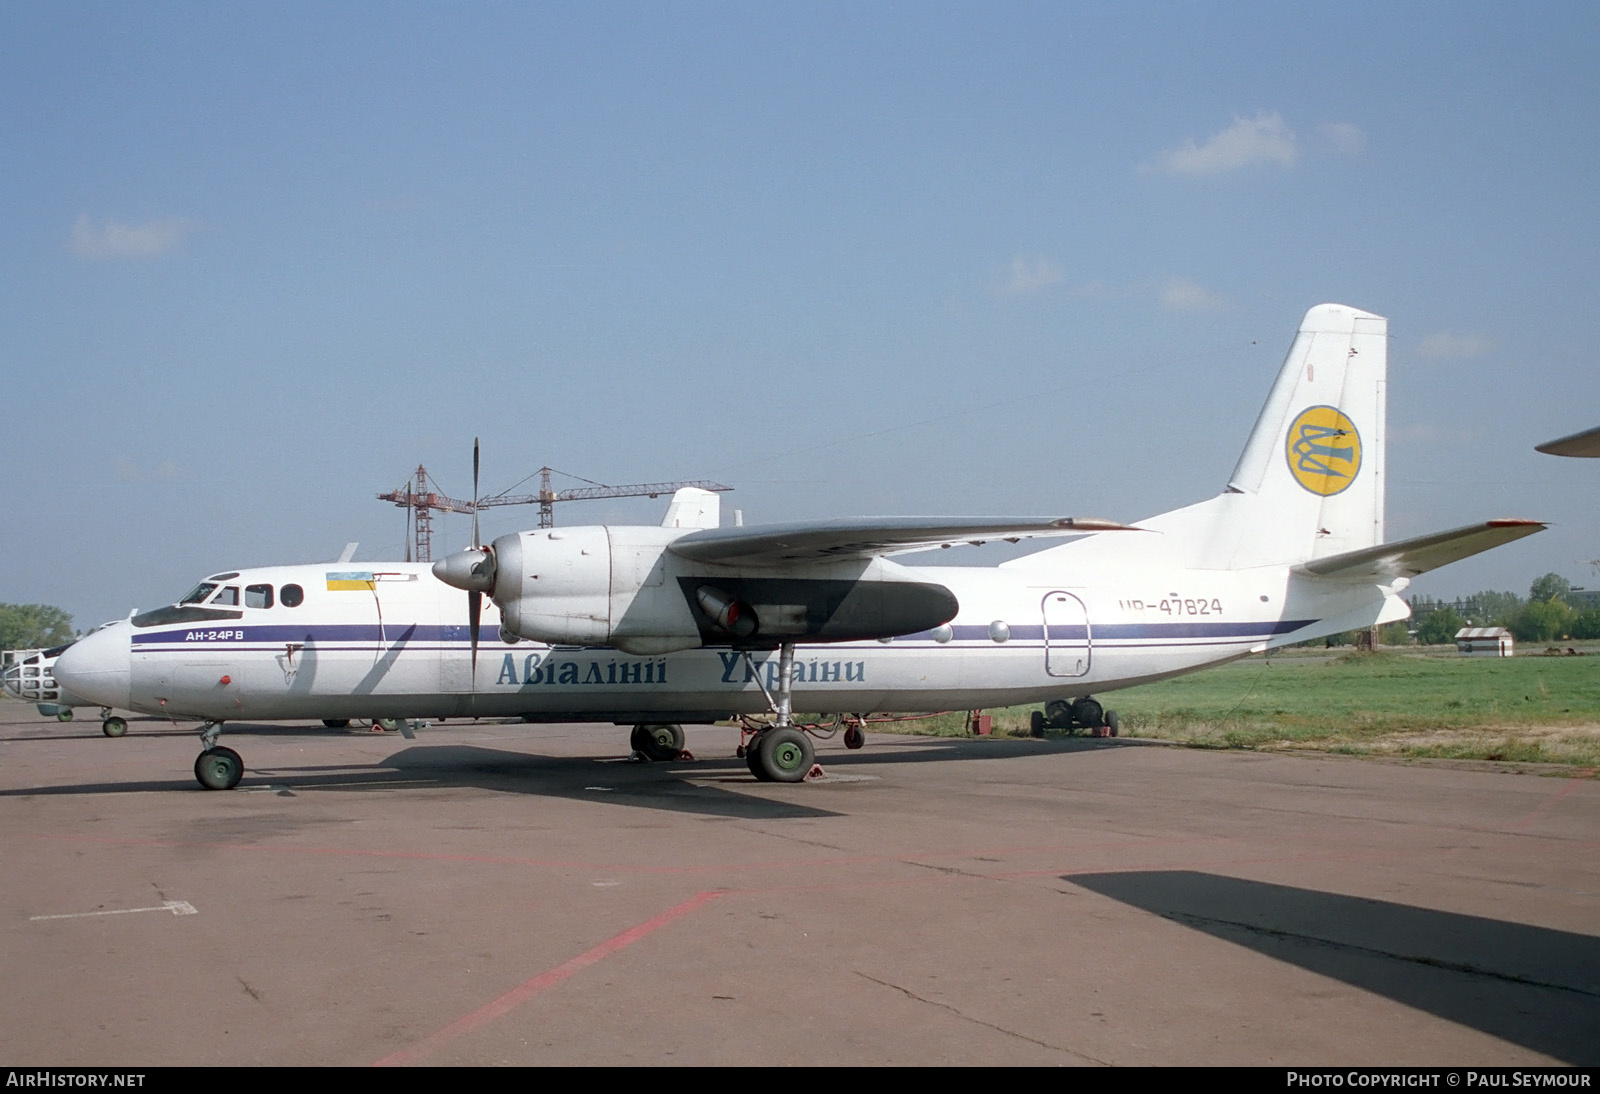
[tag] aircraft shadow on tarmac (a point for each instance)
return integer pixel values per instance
(444, 766)
(716, 786)
(1532, 986)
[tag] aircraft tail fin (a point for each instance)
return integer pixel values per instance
(693, 507)
(1310, 481)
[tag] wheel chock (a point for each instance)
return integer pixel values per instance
(684, 756)
(816, 772)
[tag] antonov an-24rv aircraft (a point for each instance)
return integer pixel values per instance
(690, 622)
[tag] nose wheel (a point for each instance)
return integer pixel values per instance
(219, 768)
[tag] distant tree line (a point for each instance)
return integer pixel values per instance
(1545, 616)
(33, 626)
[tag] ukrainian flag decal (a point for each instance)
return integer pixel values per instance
(1324, 450)
(350, 581)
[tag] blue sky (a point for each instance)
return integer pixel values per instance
(257, 262)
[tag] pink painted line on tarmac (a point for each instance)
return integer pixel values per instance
(523, 992)
(1545, 806)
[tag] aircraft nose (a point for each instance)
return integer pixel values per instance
(97, 666)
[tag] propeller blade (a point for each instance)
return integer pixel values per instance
(474, 614)
(475, 492)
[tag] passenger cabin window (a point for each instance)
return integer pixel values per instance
(290, 596)
(258, 596)
(228, 597)
(201, 591)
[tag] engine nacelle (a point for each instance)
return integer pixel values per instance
(594, 586)
(623, 587)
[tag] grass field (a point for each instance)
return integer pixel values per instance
(1408, 703)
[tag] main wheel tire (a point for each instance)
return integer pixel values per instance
(1036, 722)
(1113, 723)
(785, 755)
(1087, 712)
(1058, 713)
(659, 741)
(388, 725)
(855, 737)
(114, 726)
(336, 723)
(64, 715)
(219, 768)
(752, 757)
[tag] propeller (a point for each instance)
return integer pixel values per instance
(471, 570)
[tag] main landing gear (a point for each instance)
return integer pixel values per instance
(217, 768)
(1085, 713)
(781, 752)
(660, 742)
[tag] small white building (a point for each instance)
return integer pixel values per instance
(1484, 642)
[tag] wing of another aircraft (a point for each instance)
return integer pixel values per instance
(1585, 444)
(1410, 557)
(869, 537)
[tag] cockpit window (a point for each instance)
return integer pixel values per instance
(228, 597)
(201, 591)
(291, 596)
(180, 613)
(224, 577)
(258, 596)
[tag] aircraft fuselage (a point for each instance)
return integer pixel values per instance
(390, 640)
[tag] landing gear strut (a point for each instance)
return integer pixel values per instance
(781, 753)
(217, 768)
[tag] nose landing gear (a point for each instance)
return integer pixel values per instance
(217, 768)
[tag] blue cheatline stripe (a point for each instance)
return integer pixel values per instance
(329, 632)
(458, 636)
(1108, 631)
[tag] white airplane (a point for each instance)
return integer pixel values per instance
(690, 622)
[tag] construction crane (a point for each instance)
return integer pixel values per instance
(422, 502)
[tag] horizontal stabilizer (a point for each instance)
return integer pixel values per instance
(1410, 557)
(870, 537)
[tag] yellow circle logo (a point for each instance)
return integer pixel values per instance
(1324, 450)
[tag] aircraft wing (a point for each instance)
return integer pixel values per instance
(867, 537)
(1586, 443)
(1410, 557)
